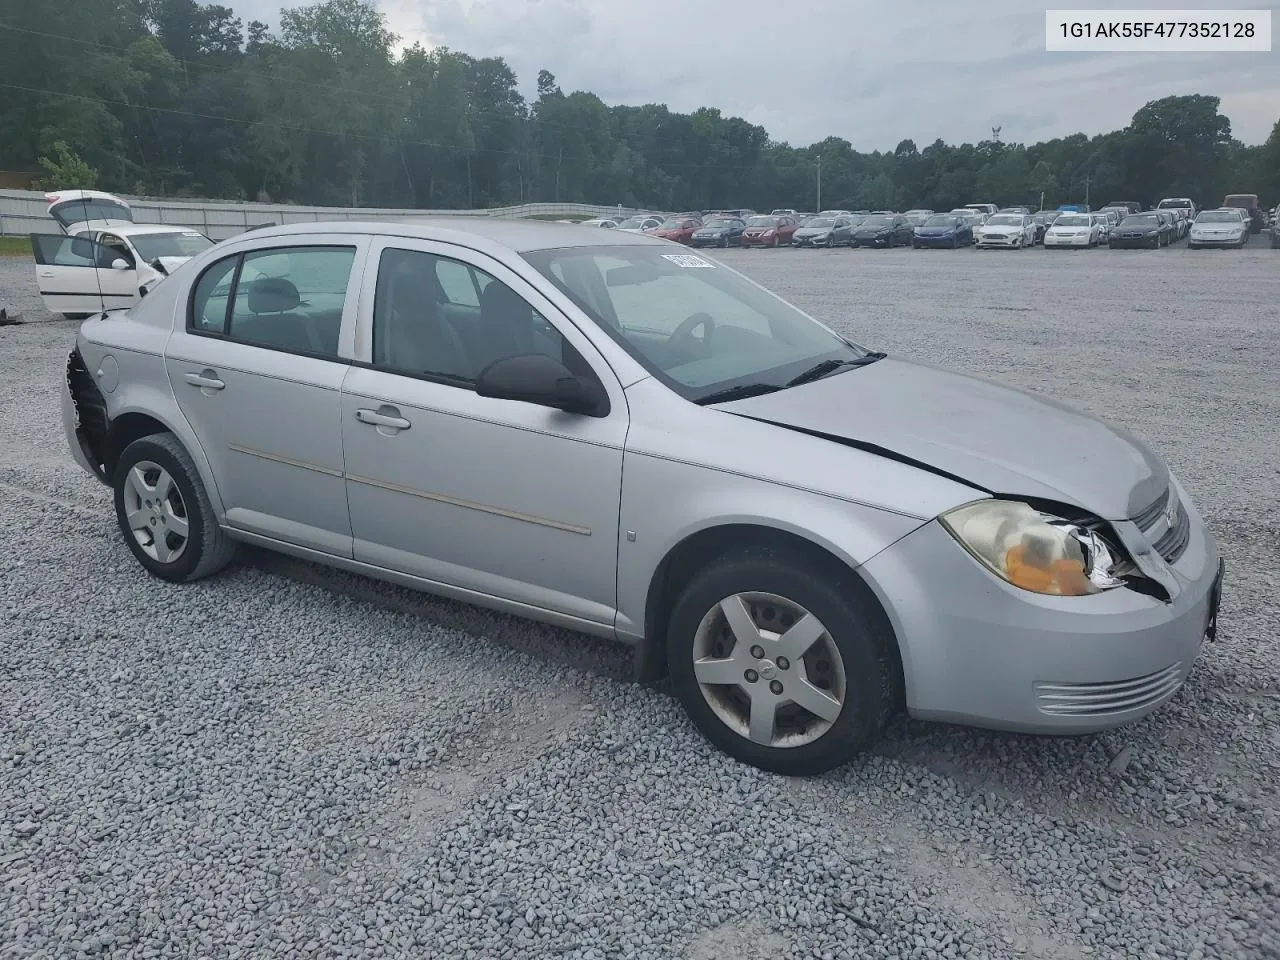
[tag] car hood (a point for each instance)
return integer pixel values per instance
(934, 231)
(998, 439)
(813, 231)
(870, 230)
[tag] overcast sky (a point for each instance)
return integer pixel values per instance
(871, 71)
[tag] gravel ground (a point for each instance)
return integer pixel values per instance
(288, 761)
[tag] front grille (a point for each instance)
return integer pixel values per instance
(1107, 699)
(1146, 518)
(1173, 544)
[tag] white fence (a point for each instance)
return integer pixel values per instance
(23, 212)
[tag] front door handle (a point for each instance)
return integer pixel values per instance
(205, 380)
(385, 416)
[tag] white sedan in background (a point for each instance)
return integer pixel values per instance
(1073, 230)
(1225, 227)
(1013, 230)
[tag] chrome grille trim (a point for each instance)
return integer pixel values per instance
(1146, 518)
(1105, 699)
(1173, 544)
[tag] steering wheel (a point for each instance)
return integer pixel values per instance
(683, 334)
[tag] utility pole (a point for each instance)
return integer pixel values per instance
(819, 183)
(1086, 190)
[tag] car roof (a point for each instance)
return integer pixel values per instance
(517, 235)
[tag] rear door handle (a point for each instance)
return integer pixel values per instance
(385, 416)
(205, 379)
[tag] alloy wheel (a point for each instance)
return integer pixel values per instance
(769, 669)
(156, 512)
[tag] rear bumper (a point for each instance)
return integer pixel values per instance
(981, 652)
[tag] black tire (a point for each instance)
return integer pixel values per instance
(207, 548)
(844, 606)
(77, 316)
(914, 245)
(954, 244)
(775, 241)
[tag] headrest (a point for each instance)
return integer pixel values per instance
(416, 292)
(272, 295)
(497, 298)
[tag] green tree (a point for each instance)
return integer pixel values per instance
(65, 171)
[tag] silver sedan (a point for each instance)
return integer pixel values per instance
(605, 431)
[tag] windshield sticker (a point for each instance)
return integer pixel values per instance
(688, 260)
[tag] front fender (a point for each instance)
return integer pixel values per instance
(664, 502)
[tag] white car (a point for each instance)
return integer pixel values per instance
(1224, 227)
(640, 224)
(1073, 230)
(102, 259)
(608, 223)
(1184, 206)
(1014, 230)
(1105, 223)
(976, 218)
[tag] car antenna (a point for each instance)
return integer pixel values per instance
(102, 300)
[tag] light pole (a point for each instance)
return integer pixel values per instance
(819, 183)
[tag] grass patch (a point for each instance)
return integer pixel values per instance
(15, 246)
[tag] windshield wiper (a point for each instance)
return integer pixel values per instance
(827, 367)
(740, 392)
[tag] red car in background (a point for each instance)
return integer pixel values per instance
(769, 230)
(679, 229)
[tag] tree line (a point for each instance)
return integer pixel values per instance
(174, 98)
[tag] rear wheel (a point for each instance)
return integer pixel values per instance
(77, 316)
(778, 665)
(164, 513)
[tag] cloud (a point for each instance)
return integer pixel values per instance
(869, 71)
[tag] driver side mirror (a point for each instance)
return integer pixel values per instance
(538, 378)
(119, 263)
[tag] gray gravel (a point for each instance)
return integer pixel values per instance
(287, 761)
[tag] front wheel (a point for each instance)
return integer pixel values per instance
(775, 241)
(780, 664)
(164, 513)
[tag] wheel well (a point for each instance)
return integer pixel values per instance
(125, 429)
(695, 552)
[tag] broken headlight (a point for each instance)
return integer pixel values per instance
(1034, 550)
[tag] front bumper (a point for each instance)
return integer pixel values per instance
(981, 652)
(878, 240)
(1142, 241)
(1217, 241)
(998, 240)
(1082, 240)
(936, 241)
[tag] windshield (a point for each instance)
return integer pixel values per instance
(762, 222)
(1142, 220)
(877, 222)
(1218, 216)
(693, 323)
(186, 243)
(1175, 204)
(1073, 220)
(1004, 220)
(718, 223)
(940, 221)
(1046, 217)
(820, 222)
